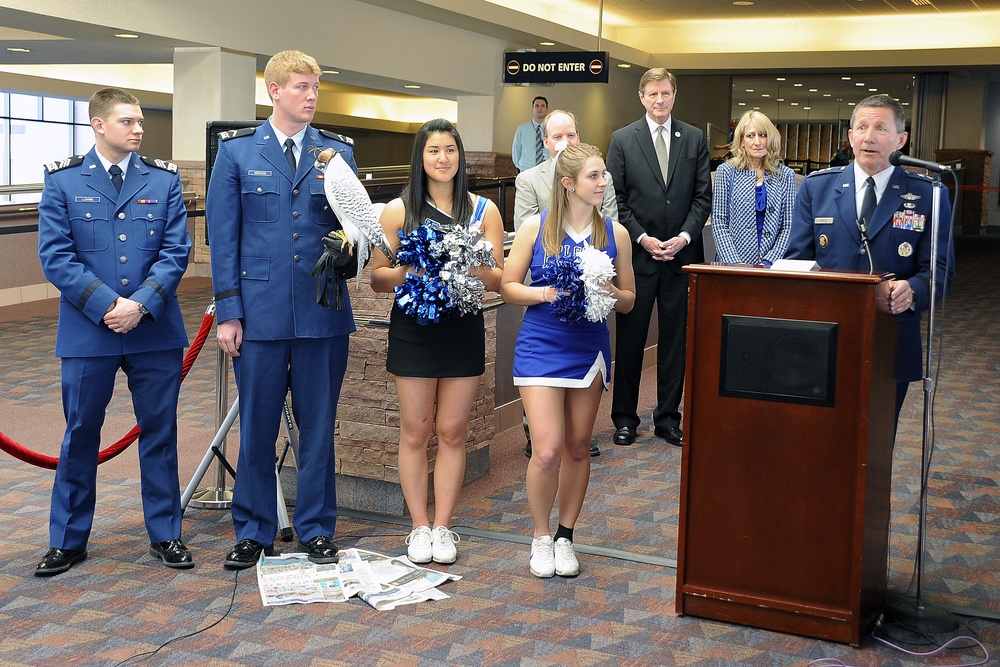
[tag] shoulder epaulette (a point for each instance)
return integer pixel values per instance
(232, 134)
(72, 161)
(917, 174)
(337, 137)
(159, 164)
(828, 170)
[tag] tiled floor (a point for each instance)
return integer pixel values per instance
(619, 611)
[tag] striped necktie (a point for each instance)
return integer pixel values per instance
(539, 145)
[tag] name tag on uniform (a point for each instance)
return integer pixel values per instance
(87, 200)
(258, 172)
(823, 221)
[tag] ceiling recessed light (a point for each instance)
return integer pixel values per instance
(331, 71)
(17, 49)
(845, 78)
(781, 78)
(826, 95)
(813, 90)
(851, 104)
(547, 43)
(412, 86)
(797, 85)
(765, 94)
(807, 108)
(859, 84)
(749, 90)
(742, 104)
(126, 35)
(624, 65)
(780, 99)
(742, 3)
(794, 104)
(873, 90)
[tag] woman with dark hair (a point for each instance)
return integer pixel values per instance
(562, 357)
(753, 196)
(436, 364)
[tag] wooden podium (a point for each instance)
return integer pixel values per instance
(785, 472)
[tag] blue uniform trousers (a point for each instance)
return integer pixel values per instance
(313, 368)
(87, 386)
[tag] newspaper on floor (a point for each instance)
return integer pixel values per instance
(384, 582)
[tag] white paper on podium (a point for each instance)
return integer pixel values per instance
(804, 265)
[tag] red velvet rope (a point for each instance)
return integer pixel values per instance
(42, 461)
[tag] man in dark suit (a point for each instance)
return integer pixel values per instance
(662, 181)
(267, 215)
(113, 238)
(830, 215)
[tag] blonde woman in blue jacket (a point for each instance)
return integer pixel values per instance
(753, 196)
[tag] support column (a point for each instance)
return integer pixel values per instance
(475, 122)
(209, 84)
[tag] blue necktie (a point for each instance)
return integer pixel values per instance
(289, 155)
(868, 203)
(539, 145)
(116, 177)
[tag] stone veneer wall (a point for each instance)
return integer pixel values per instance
(368, 412)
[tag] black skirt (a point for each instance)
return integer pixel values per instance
(450, 348)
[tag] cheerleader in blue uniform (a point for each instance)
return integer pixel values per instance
(562, 367)
(436, 365)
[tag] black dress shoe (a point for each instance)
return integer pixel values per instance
(624, 436)
(57, 561)
(527, 449)
(245, 554)
(321, 549)
(594, 450)
(671, 434)
(173, 553)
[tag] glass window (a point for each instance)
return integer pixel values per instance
(25, 106)
(35, 130)
(32, 144)
(57, 109)
(83, 139)
(81, 111)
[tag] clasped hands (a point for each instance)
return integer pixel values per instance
(898, 297)
(123, 315)
(663, 251)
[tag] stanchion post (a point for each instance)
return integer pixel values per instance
(218, 496)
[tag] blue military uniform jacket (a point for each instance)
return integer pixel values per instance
(265, 228)
(825, 229)
(96, 244)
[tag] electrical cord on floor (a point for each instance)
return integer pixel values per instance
(147, 654)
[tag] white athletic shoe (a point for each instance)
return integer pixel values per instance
(541, 561)
(566, 563)
(443, 550)
(418, 545)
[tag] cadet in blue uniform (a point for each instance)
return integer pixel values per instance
(266, 222)
(112, 237)
(830, 215)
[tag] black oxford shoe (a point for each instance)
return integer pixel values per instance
(671, 434)
(57, 561)
(173, 553)
(321, 549)
(594, 450)
(624, 436)
(245, 554)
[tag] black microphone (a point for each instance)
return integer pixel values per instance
(899, 159)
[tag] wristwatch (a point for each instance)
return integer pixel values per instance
(143, 310)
